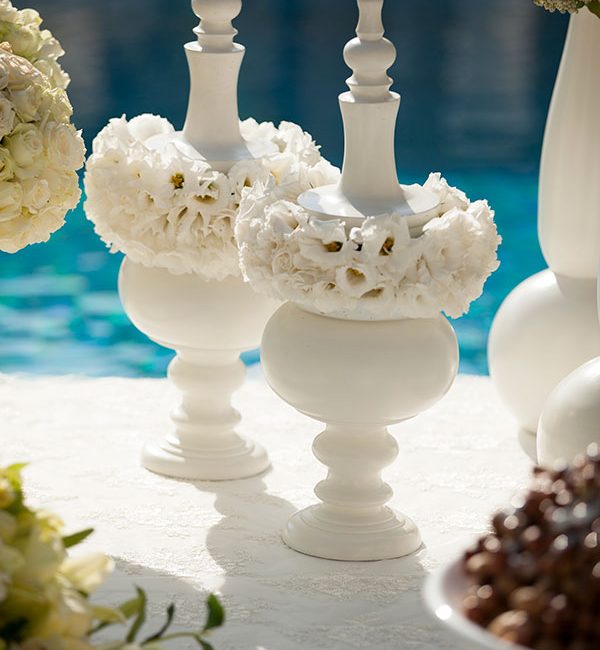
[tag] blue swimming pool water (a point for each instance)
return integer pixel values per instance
(476, 78)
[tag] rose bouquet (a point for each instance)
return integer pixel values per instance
(40, 150)
(45, 592)
(570, 6)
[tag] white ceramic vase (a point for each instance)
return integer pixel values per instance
(547, 326)
(358, 378)
(208, 324)
(570, 421)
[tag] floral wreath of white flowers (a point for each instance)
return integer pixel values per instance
(40, 150)
(163, 208)
(377, 271)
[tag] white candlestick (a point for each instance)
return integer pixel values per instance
(369, 184)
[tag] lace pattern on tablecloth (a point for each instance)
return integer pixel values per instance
(457, 464)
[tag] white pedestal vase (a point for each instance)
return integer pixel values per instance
(361, 343)
(208, 324)
(169, 200)
(358, 378)
(547, 326)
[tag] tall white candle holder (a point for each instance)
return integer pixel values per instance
(361, 343)
(548, 326)
(169, 201)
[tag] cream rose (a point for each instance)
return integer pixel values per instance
(11, 197)
(64, 146)
(36, 194)
(7, 166)
(27, 102)
(26, 144)
(7, 116)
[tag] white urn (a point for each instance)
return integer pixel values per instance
(547, 326)
(208, 324)
(357, 377)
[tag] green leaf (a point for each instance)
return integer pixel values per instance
(216, 614)
(204, 644)
(76, 538)
(13, 472)
(140, 615)
(128, 609)
(594, 7)
(165, 627)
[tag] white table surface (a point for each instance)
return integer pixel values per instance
(458, 463)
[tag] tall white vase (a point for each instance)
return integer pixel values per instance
(358, 377)
(570, 421)
(548, 325)
(208, 324)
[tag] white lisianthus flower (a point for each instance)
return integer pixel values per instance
(153, 199)
(26, 145)
(7, 116)
(64, 146)
(11, 198)
(377, 270)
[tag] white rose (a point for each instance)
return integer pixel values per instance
(25, 39)
(53, 71)
(26, 144)
(64, 146)
(64, 186)
(36, 194)
(87, 573)
(4, 74)
(57, 104)
(7, 116)
(11, 196)
(27, 101)
(7, 165)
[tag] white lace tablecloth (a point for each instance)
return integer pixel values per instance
(458, 462)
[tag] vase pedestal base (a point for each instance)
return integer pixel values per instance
(243, 460)
(318, 532)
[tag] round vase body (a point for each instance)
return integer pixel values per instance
(547, 327)
(208, 324)
(358, 377)
(570, 422)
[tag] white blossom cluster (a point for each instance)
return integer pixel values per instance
(564, 6)
(376, 271)
(162, 207)
(22, 29)
(40, 150)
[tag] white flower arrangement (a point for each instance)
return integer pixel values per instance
(163, 208)
(376, 271)
(45, 591)
(570, 6)
(40, 150)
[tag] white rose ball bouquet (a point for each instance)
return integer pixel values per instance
(167, 209)
(40, 150)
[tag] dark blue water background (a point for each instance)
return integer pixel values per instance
(476, 78)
